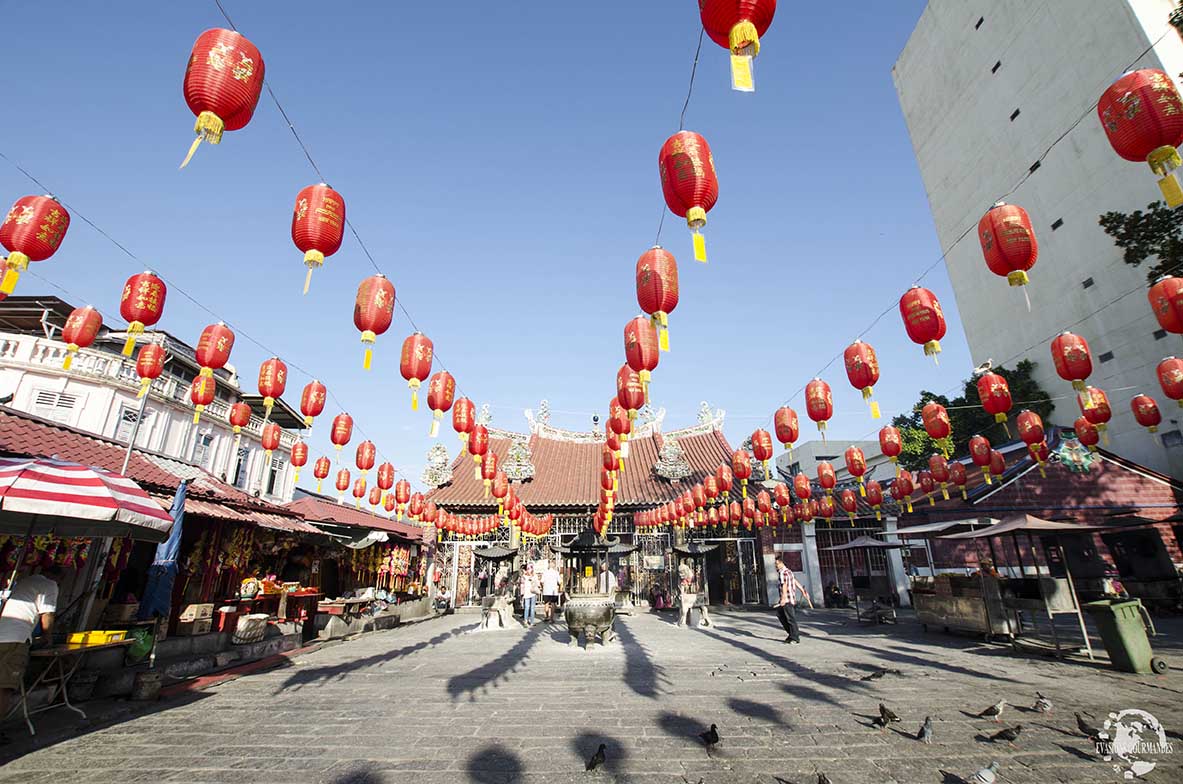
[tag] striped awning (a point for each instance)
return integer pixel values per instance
(42, 496)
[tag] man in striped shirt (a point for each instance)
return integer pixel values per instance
(786, 608)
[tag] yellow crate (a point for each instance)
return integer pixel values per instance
(96, 637)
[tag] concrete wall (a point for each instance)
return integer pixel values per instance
(1055, 59)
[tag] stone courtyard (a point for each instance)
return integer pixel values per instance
(439, 702)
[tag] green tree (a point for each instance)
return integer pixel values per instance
(1156, 233)
(969, 418)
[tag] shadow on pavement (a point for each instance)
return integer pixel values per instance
(615, 755)
(641, 674)
(307, 676)
(756, 710)
(678, 726)
(494, 764)
(366, 775)
(499, 669)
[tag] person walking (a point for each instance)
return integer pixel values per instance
(528, 590)
(550, 589)
(786, 608)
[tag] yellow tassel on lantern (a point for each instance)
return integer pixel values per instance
(134, 329)
(909, 501)
(821, 428)
(414, 385)
(435, 424)
(1086, 400)
(661, 320)
(1163, 162)
(696, 218)
(645, 375)
(862, 487)
(367, 338)
(16, 263)
(986, 476)
(878, 516)
(144, 384)
(71, 350)
(197, 414)
(743, 484)
(476, 472)
(931, 349)
(313, 259)
(945, 491)
(208, 128)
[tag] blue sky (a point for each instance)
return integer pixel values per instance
(506, 184)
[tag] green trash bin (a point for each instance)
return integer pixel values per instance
(1122, 624)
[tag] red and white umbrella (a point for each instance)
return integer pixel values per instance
(42, 496)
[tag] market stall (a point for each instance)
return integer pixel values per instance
(878, 612)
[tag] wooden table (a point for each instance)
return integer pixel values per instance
(64, 661)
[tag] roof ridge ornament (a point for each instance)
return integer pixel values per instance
(671, 461)
(438, 471)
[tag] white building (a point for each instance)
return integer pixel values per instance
(98, 395)
(986, 89)
(808, 454)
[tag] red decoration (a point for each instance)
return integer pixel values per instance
(875, 497)
(923, 319)
(689, 183)
(862, 369)
(415, 364)
(641, 350)
(415, 506)
(82, 327)
(784, 500)
(1073, 361)
(762, 449)
(222, 84)
(826, 508)
(997, 463)
(891, 443)
(1146, 412)
(320, 469)
(979, 452)
(928, 485)
(763, 506)
(803, 512)
(1086, 433)
(375, 495)
(1142, 115)
(388, 504)
(402, 492)
(318, 226)
(478, 445)
(441, 389)
(273, 380)
(741, 469)
(149, 366)
(463, 418)
(32, 231)
(342, 483)
(788, 429)
(1170, 378)
(959, 477)
(201, 392)
(500, 489)
(341, 432)
(801, 487)
(902, 489)
(938, 467)
(239, 416)
(826, 478)
(657, 289)
(849, 502)
(364, 457)
(1166, 300)
(994, 393)
(312, 401)
(819, 403)
(738, 25)
(359, 490)
(386, 476)
(937, 425)
(629, 390)
(725, 479)
(214, 347)
(270, 439)
(372, 312)
(1030, 429)
(140, 305)
(489, 471)
(1008, 243)
(856, 466)
(1100, 413)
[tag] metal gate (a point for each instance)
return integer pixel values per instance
(749, 575)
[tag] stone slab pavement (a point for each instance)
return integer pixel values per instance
(441, 702)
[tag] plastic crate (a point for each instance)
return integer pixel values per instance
(96, 637)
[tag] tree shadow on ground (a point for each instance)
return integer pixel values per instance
(895, 655)
(307, 676)
(494, 764)
(363, 775)
(615, 754)
(678, 726)
(641, 673)
(499, 669)
(756, 710)
(951, 778)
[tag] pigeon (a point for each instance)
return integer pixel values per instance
(597, 759)
(823, 779)
(876, 675)
(925, 733)
(710, 737)
(1043, 704)
(994, 712)
(886, 714)
(1086, 730)
(1010, 734)
(987, 775)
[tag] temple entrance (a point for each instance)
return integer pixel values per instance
(731, 573)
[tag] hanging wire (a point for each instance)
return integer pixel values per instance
(690, 89)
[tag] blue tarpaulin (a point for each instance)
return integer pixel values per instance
(163, 571)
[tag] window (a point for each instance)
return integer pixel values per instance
(202, 454)
(1014, 115)
(240, 468)
(1087, 283)
(274, 473)
(1172, 439)
(56, 406)
(1059, 222)
(1108, 355)
(1159, 334)
(128, 416)
(997, 65)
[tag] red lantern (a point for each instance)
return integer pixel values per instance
(724, 514)
(359, 490)
(896, 491)
(273, 380)
(762, 449)
(415, 364)
(149, 366)
(937, 425)
(222, 84)
(903, 483)
(748, 508)
(388, 504)
(997, 463)
(478, 445)
(1086, 433)
(82, 327)
(1166, 300)
(928, 485)
(375, 495)
(738, 25)
(372, 312)
(1146, 412)
(609, 460)
(862, 368)
(763, 506)
(1030, 429)
(710, 486)
(1142, 115)
(725, 479)
(140, 305)
(270, 439)
(875, 497)
(788, 429)
(1170, 378)
(342, 483)
(385, 476)
(826, 478)
(364, 457)
(312, 401)
(318, 226)
(819, 403)
(1100, 413)
(32, 231)
(891, 444)
(849, 503)
(783, 500)
(500, 489)
(415, 506)
(402, 492)
(320, 469)
(431, 513)
(440, 391)
(618, 422)
(923, 319)
(803, 512)
(938, 467)
(641, 349)
(629, 390)
(689, 183)
(489, 471)
(657, 289)
(463, 418)
(239, 416)
(611, 440)
(341, 432)
(741, 468)
(856, 466)
(1073, 361)
(1008, 243)
(826, 508)
(801, 487)
(213, 348)
(979, 452)
(201, 392)
(958, 476)
(994, 393)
